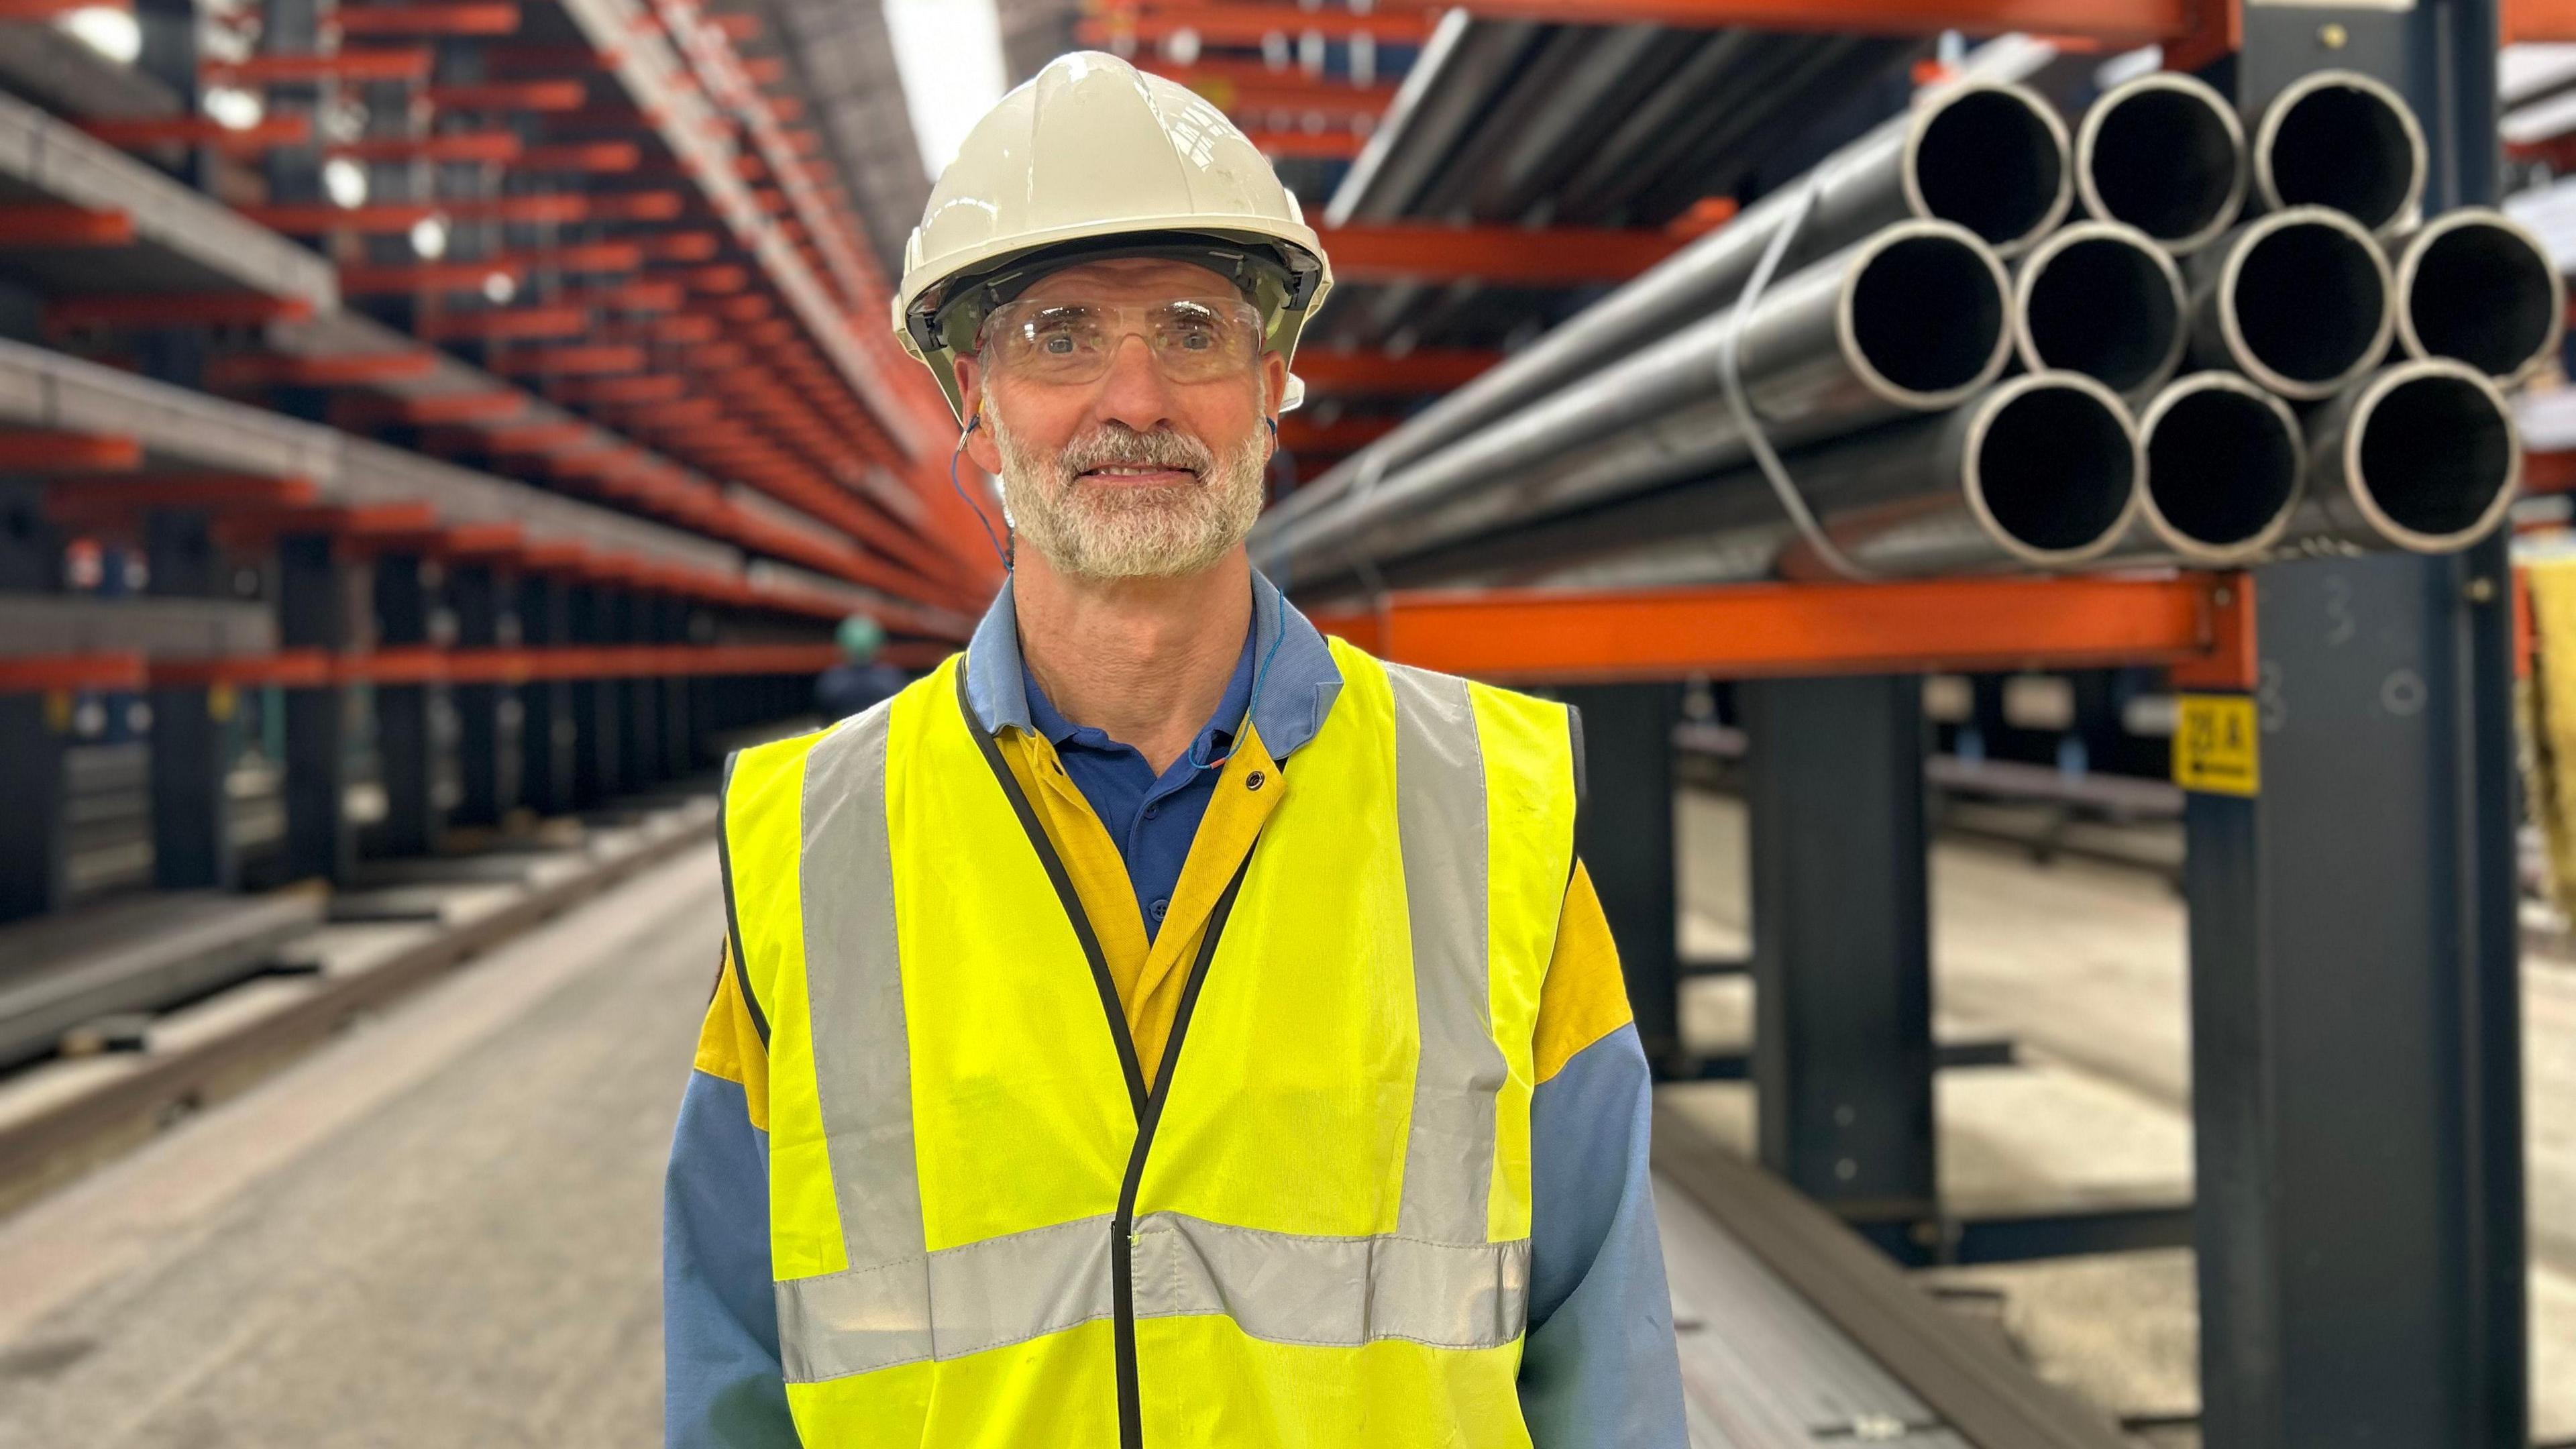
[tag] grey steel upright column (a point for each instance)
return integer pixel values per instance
(313, 613)
(474, 595)
(594, 704)
(406, 734)
(1627, 845)
(33, 827)
(2355, 1000)
(1842, 984)
(679, 752)
(546, 731)
(196, 730)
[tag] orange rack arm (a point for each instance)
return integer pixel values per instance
(1758, 630)
(45, 673)
(1428, 369)
(1531, 256)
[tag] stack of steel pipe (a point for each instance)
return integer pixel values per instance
(1518, 122)
(2251, 344)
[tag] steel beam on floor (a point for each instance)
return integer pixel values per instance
(1842, 987)
(2355, 1000)
(1627, 844)
(1969, 1055)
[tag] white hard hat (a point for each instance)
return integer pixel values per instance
(1092, 158)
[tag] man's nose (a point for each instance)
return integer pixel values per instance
(1135, 393)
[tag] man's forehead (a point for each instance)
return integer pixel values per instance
(1129, 279)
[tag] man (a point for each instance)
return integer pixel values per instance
(1160, 1025)
(860, 680)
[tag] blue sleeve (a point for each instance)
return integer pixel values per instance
(1599, 1369)
(722, 1387)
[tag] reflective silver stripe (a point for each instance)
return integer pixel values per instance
(862, 1059)
(1323, 1292)
(1333, 1292)
(990, 1294)
(1440, 822)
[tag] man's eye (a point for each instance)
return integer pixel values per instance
(1058, 344)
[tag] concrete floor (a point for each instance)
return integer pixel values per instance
(2084, 964)
(444, 1228)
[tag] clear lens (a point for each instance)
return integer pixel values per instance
(1192, 339)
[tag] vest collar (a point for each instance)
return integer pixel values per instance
(1295, 697)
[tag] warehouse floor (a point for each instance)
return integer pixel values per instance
(2082, 963)
(444, 1228)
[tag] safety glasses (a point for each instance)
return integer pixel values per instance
(1192, 339)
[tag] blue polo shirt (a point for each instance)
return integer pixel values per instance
(1153, 818)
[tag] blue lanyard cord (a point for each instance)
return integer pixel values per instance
(1260, 676)
(1006, 555)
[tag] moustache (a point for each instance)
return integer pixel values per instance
(1125, 448)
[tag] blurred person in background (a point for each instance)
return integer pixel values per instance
(1161, 1025)
(861, 680)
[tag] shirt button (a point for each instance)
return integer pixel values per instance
(1158, 908)
(1153, 810)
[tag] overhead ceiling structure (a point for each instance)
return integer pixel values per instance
(840, 62)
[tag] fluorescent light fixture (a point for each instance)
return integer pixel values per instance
(232, 109)
(111, 32)
(949, 53)
(344, 181)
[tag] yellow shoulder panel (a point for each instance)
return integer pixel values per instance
(729, 1046)
(1585, 998)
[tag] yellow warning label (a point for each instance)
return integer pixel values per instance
(2214, 749)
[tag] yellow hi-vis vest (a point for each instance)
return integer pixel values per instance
(1313, 1230)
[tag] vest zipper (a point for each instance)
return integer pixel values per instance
(1147, 1105)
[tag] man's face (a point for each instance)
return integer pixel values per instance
(1125, 411)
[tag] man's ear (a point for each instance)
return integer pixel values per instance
(977, 438)
(1274, 390)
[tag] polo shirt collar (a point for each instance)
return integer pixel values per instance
(1296, 690)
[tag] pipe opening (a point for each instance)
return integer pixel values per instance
(2348, 148)
(2222, 465)
(1927, 315)
(2435, 453)
(2106, 308)
(2480, 293)
(2056, 467)
(2309, 301)
(2167, 162)
(1992, 163)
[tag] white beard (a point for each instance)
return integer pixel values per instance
(1129, 532)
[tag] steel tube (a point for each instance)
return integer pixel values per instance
(2037, 472)
(1911, 320)
(1990, 157)
(2224, 459)
(2302, 301)
(2424, 456)
(2165, 153)
(2102, 299)
(2477, 286)
(2345, 141)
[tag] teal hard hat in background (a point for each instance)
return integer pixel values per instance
(861, 637)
